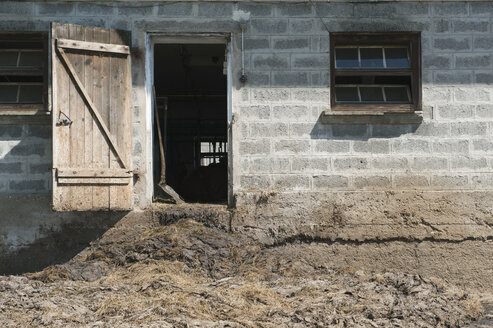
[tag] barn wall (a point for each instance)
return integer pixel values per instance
(295, 170)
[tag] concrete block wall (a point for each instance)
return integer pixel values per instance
(279, 139)
(25, 158)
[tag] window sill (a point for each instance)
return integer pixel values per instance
(371, 117)
(24, 114)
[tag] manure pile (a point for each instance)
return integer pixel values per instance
(189, 275)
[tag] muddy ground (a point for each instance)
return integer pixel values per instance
(185, 274)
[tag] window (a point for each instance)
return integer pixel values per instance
(23, 58)
(375, 72)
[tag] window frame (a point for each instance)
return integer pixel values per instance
(412, 40)
(26, 108)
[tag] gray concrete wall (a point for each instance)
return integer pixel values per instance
(292, 163)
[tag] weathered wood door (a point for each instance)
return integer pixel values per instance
(92, 130)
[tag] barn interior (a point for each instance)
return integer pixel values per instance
(191, 97)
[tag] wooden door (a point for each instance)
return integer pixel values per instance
(92, 130)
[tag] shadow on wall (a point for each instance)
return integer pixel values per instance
(33, 237)
(364, 131)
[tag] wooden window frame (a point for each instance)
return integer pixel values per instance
(27, 109)
(412, 40)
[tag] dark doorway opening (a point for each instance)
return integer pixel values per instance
(191, 95)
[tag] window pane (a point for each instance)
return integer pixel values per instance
(31, 58)
(347, 94)
(8, 93)
(396, 94)
(31, 94)
(347, 58)
(396, 57)
(371, 57)
(8, 58)
(371, 93)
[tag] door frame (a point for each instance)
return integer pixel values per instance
(153, 38)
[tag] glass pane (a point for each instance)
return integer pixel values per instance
(31, 58)
(8, 58)
(31, 94)
(347, 94)
(396, 94)
(8, 93)
(371, 57)
(396, 57)
(347, 58)
(371, 93)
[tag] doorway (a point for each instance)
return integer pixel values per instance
(191, 96)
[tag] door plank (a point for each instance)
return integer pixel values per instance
(93, 173)
(92, 46)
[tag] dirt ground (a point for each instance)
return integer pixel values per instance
(185, 274)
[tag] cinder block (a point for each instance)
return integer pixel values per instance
(468, 163)
(270, 62)
(483, 43)
(289, 112)
(310, 164)
(351, 131)
(270, 95)
(258, 79)
(453, 77)
(253, 44)
(137, 148)
(290, 79)
(20, 186)
(290, 182)
(175, 9)
(310, 62)
(332, 146)
(259, 112)
(373, 10)
(484, 111)
(269, 26)
(372, 146)
(295, 10)
(486, 78)
(472, 94)
(350, 163)
(455, 111)
(441, 26)
(257, 147)
(292, 146)
(270, 165)
(216, 9)
(10, 132)
(411, 146)
(11, 168)
(472, 61)
(411, 181)
(483, 145)
(389, 130)
(449, 181)
(437, 61)
(40, 168)
(469, 129)
(330, 181)
(411, 9)
(92, 9)
(390, 163)
(481, 8)
(451, 146)
(291, 43)
(484, 180)
(372, 182)
(301, 129)
(51, 8)
(39, 131)
(452, 43)
(255, 182)
(314, 95)
(429, 164)
(450, 9)
(334, 9)
(16, 8)
(437, 95)
(28, 150)
(478, 26)
(257, 9)
(268, 130)
(302, 26)
(130, 10)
